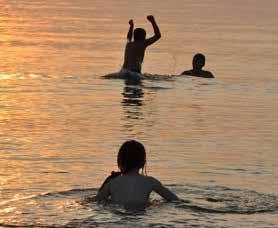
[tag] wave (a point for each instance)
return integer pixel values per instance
(144, 76)
(71, 208)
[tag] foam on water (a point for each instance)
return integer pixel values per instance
(61, 124)
(144, 76)
(215, 204)
(202, 205)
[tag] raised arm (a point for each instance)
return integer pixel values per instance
(157, 34)
(130, 31)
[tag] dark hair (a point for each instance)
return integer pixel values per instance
(132, 155)
(139, 34)
(199, 57)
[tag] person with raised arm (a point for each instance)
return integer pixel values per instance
(136, 47)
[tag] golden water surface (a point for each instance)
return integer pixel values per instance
(61, 124)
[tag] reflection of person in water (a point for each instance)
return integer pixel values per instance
(198, 63)
(133, 106)
(135, 49)
(133, 99)
(132, 95)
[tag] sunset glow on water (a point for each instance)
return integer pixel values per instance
(213, 142)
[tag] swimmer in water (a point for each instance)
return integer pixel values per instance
(198, 63)
(135, 49)
(128, 187)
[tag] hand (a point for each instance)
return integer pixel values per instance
(150, 18)
(131, 22)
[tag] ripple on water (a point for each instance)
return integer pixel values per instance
(201, 205)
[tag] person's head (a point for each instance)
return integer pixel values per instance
(139, 34)
(132, 155)
(198, 61)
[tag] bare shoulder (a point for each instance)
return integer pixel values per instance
(187, 72)
(208, 74)
(163, 191)
(153, 180)
(115, 180)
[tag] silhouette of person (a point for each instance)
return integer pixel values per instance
(128, 187)
(198, 63)
(136, 47)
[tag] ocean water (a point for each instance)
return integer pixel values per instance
(213, 142)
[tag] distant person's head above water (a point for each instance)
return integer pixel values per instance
(198, 62)
(131, 156)
(139, 34)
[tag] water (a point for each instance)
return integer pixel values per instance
(213, 142)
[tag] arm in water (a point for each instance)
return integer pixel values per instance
(104, 191)
(163, 191)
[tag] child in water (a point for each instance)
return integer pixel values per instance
(128, 187)
(198, 63)
(135, 49)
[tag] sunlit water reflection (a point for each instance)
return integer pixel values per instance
(213, 142)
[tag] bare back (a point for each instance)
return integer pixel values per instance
(133, 190)
(134, 55)
(135, 50)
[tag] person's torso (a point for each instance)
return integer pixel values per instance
(200, 73)
(131, 190)
(134, 56)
